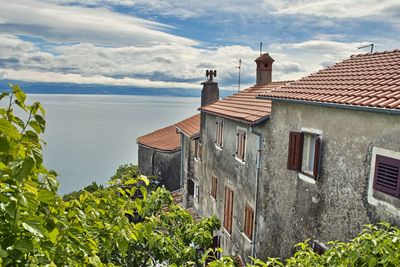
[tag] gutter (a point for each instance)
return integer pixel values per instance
(258, 166)
(263, 119)
(334, 105)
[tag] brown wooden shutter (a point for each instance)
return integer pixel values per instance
(214, 187)
(387, 175)
(317, 157)
(248, 222)
(237, 143)
(295, 150)
(228, 209)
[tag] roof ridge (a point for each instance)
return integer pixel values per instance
(375, 53)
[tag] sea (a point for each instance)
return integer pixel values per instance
(89, 136)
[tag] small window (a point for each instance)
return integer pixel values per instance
(197, 149)
(387, 175)
(241, 145)
(190, 187)
(196, 192)
(248, 222)
(219, 134)
(214, 187)
(228, 209)
(304, 153)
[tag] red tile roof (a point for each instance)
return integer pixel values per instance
(190, 126)
(244, 106)
(367, 80)
(165, 139)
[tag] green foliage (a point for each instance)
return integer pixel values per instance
(106, 227)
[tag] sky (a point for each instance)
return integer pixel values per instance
(171, 43)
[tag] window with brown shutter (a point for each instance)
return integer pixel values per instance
(214, 187)
(295, 151)
(248, 221)
(219, 134)
(228, 209)
(304, 153)
(387, 175)
(197, 149)
(241, 145)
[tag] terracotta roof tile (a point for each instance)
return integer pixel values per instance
(165, 139)
(370, 80)
(190, 126)
(244, 106)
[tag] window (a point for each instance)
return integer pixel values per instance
(197, 149)
(387, 175)
(228, 209)
(190, 187)
(214, 187)
(219, 134)
(248, 221)
(304, 153)
(196, 192)
(241, 145)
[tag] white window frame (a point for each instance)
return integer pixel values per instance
(371, 199)
(219, 124)
(305, 175)
(245, 145)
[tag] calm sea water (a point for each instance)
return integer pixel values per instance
(89, 136)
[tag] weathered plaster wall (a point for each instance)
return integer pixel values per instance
(239, 176)
(165, 165)
(336, 206)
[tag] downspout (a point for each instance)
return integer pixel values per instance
(182, 160)
(253, 243)
(152, 162)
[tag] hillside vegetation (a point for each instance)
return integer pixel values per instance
(129, 223)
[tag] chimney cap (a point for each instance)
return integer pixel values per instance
(265, 58)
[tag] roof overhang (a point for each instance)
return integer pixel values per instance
(251, 123)
(334, 105)
(180, 131)
(159, 150)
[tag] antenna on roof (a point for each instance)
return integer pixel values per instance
(365, 46)
(239, 67)
(260, 48)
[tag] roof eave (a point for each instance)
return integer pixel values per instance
(158, 149)
(334, 105)
(251, 123)
(180, 131)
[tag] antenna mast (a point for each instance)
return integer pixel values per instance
(239, 67)
(260, 48)
(370, 45)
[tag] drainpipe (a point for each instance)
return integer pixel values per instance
(152, 162)
(182, 158)
(258, 166)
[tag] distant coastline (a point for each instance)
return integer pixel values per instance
(100, 89)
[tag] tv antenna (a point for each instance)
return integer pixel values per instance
(260, 48)
(239, 67)
(369, 45)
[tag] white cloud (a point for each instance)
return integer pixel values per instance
(382, 9)
(53, 77)
(80, 24)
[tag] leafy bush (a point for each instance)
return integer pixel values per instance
(109, 227)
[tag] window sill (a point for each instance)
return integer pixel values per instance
(243, 162)
(246, 238)
(306, 178)
(226, 232)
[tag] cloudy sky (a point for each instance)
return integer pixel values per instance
(170, 43)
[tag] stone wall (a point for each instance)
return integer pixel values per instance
(165, 165)
(239, 176)
(337, 205)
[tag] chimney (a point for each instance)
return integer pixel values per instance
(264, 69)
(210, 91)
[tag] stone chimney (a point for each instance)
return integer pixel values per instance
(210, 91)
(264, 69)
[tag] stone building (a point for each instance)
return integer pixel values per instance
(231, 136)
(332, 156)
(189, 130)
(159, 154)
